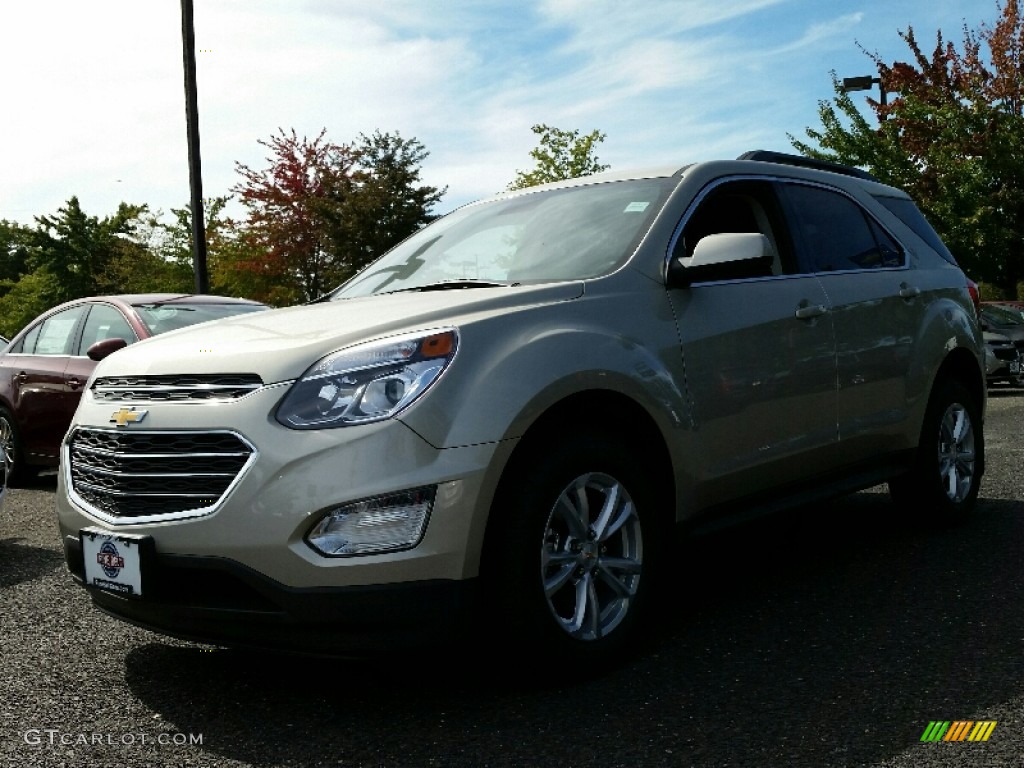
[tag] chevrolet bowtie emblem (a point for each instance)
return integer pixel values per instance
(126, 416)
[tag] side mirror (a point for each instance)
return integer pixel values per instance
(105, 348)
(722, 256)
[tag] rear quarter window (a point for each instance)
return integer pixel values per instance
(907, 212)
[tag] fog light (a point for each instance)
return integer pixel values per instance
(371, 526)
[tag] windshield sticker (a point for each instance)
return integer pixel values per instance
(636, 208)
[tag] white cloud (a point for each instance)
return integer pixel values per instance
(823, 32)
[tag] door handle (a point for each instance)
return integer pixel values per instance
(807, 312)
(908, 292)
(74, 382)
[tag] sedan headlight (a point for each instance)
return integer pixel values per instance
(367, 382)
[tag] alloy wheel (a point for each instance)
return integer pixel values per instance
(592, 556)
(7, 441)
(956, 452)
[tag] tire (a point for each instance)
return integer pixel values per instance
(573, 553)
(11, 451)
(946, 476)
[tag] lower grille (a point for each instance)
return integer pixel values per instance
(141, 476)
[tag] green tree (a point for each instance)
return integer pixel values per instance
(137, 266)
(560, 155)
(77, 249)
(951, 134)
(173, 242)
(383, 202)
(14, 252)
(25, 299)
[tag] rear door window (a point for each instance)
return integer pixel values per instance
(57, 333)
(836, 234)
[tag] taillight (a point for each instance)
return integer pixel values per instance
(972, 288)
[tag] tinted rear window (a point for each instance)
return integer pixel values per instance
(908, 213)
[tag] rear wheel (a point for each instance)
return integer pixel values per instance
(946, 476)
(572, 555)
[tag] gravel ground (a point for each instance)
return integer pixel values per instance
(830, 637)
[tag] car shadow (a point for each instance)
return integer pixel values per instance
(43, 481)
(21, 562)
(827, 636)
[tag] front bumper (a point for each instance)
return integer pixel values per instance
(242, 572)
(219, 601)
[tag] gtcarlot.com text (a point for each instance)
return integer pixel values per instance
(55, 737)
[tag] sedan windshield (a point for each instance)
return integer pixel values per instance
(562, 234)
(161, 318)
(1001, 316)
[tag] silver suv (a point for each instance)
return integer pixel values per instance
(507, 416)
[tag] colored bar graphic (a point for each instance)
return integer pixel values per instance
(958, 730)
(935, 731)
(982, 730)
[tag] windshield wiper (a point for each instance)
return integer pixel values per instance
(447, 285)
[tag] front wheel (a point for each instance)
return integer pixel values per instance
(574, 550)
(11, 451)
(944, 482)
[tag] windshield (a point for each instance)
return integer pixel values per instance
(161, 318)
(562, 234)
(1001, 316)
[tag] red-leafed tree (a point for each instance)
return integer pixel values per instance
(952, 134)
(285, 244)
(321, 211)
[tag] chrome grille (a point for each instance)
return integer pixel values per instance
(152, 475)
(211, 386)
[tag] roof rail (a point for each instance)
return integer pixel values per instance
(767, 156)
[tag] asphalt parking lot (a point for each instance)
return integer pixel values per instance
(830, 637)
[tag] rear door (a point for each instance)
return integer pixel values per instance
(877, 307)
(42, 402)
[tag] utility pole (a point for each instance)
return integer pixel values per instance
(195, 175)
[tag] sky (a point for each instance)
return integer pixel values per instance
(94, 99)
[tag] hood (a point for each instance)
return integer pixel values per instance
(281, 344)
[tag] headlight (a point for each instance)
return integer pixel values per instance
(367, 382)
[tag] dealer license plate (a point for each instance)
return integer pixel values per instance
(115, 562)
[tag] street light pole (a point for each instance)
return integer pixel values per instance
(195, 176)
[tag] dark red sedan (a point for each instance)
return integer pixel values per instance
(45, 367)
